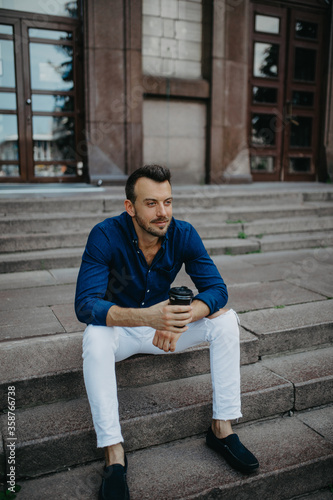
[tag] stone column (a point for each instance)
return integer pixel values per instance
(112, 57)
(229, 154)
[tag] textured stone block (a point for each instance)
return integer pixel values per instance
(189, 11)
(190, 51)
(169, 48)
(168, 28)
(151, 7)
(152, 26)
(169, 8)
(188, 69)
(188, 31)
(151, 46)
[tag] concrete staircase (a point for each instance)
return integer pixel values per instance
(280, 283)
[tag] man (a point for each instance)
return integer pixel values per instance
(127, 268)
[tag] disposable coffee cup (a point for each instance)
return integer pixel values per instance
(180, 296)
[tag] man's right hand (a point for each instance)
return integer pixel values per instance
(163, 316)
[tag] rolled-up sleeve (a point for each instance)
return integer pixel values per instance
(204, 273)
(91, 307)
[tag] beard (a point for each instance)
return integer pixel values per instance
(154, 231)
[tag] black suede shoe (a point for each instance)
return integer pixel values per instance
(233, 451)
(114, 484)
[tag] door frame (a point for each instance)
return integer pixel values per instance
(287, 14)
(21, 22)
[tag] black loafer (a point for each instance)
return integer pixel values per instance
(114, 483)
(233, 451)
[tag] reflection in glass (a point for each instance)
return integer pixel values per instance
(9, 171)
(8, 101)
(305, 64)
(305, 29)
(7, 68)
(53, 138)
(66, 8)
(266, 56)
(56, 170)
(262, 163)
(264, 94)
(267, 24)
(49, 103)
(302, 98)
(8, 137)
(5, 29)
(51, 66)
(263, 129)
(300, 135)
(50, 34)
(299, 165)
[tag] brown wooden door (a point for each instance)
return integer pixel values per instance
(40, 100)
(286, 91)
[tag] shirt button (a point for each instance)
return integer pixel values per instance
(138, 251)
(143, 304)
(148, 291)
(149, 271)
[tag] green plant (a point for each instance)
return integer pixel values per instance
(228, 251)
(279, 307)
(242, 235)
(234, 222)
(259, 235)
(9, 495)
(254, 251)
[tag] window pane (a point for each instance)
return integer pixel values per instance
(262, 163)
(302, 98)
(267, 24)
(56, 170)
(5, 29)
(51, 67)
(305, 64)
(264, 94)
(7, 68)
(50, 34)
(53, 138)
(49, 103)
(299, 165)
(266, 56)
(8, 137)
(300, 135)
(9, 171)
(66, 8)
(7, 100)
(263, 129)
(306, 30)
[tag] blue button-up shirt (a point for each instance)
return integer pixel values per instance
(114, 270)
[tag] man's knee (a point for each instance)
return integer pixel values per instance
(99, 340)
(218, 313)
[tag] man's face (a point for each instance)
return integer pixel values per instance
(153, 206)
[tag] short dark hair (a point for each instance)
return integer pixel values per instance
(155, 172)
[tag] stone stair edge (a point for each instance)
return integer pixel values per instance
(277, 477)
(264, 394)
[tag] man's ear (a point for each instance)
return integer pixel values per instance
(129, 207)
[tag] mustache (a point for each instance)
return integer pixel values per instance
(161, 219)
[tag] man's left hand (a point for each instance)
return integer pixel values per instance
(166, 341)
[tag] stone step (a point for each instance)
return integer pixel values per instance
(51, 258)
(44, 222)
(205, 197)
(295, 456)
(50, 436)
(67, 238)
(49, 368)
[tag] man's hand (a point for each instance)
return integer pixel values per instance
(172, 319)
(166, 341)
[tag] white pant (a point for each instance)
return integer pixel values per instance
(103, 346)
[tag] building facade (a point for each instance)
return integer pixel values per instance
(218, 90)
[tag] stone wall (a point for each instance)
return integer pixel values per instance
(171, 41)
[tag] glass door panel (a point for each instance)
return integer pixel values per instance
(285, 83)
(9, 137)
(41, 118)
